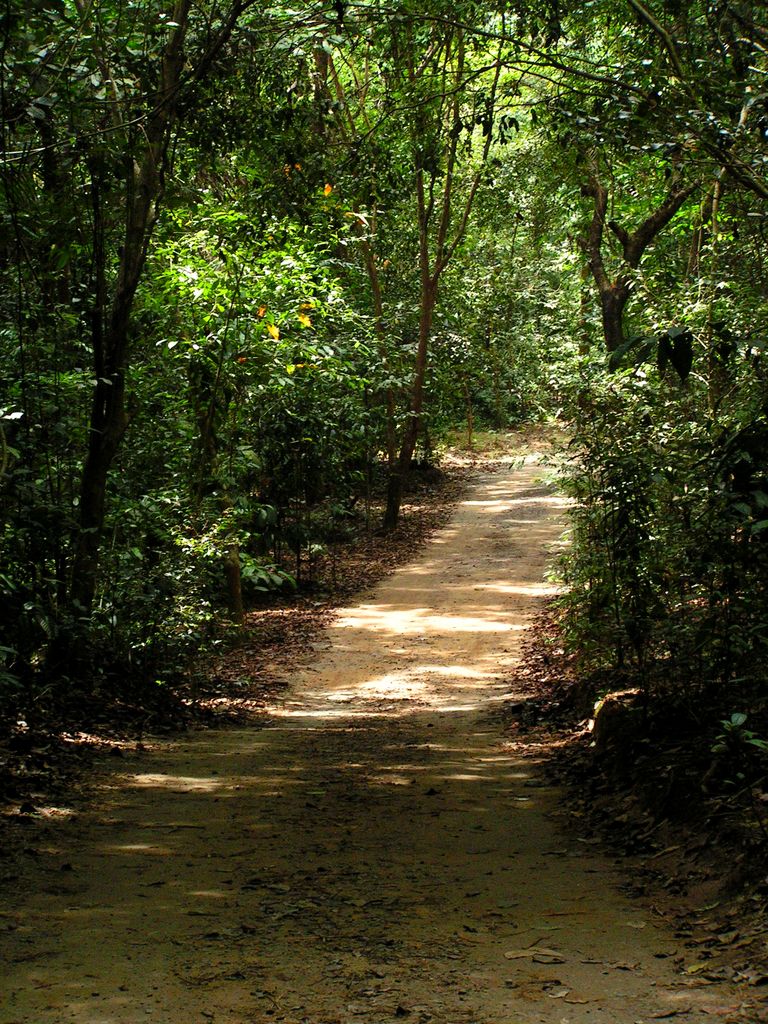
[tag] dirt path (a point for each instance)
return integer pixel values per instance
(377, 854)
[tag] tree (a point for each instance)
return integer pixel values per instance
(614, 293)
(437, 89)
(124, 101)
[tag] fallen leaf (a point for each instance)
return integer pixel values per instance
(559, 993)
(661, 853)
(539, 954)
(695, 968)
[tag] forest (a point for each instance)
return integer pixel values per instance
(264, 269)
(256, 261)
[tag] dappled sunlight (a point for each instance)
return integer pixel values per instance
(220, 785)
(455, 672)
(324, 713)
(149, 849)
(181, 783)
(517, 521)
(471, 625)
(420, 621)
(446, 534)
(464, 764)
(536, 591)
(427, 684)
(447, 708)
(464, 777)
(349, 762)
(501, 504)
(398, 779)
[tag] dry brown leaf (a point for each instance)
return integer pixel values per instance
(695, 968)
(539, 954)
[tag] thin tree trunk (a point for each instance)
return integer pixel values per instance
(109, 420)
(378, 322)
(234, 580)
(144, 183)
(470, 415)
(399, 472)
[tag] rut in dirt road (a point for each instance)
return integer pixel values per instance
(378, 854)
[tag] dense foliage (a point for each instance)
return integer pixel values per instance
(252, 258)
(668, 459)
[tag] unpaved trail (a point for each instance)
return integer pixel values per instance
(371, 857)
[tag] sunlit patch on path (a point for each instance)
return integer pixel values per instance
(440, 634)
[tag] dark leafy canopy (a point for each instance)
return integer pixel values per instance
(254, 260)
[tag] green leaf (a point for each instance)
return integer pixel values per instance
(675, 346)
(664, 354)
(619, 354)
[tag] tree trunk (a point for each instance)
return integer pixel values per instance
(470, 415)
(613, 301)
(234, 584)
(109, 421)
(399, 471)
(144, 185)
(437, 219)
(378, 310)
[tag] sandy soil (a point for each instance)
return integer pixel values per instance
(378, 853)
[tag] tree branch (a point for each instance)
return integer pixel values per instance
(593, 243)
(666, 38)
(640, 239)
